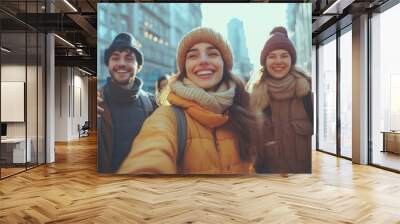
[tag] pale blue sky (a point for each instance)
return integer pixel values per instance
(258, 20)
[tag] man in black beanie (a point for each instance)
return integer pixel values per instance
(122, 104)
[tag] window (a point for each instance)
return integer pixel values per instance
(394, 101)
(327, 96)
(346, 94)
(385, 89)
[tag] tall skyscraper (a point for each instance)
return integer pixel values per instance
(237, 40)
(157, 27)
(299, 23)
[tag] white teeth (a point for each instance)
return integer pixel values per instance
(122, 71)
(204, 72)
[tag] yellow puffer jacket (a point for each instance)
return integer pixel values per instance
(210, 148)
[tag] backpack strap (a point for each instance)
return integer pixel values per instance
(148, 106)
(268, 111)
(181, 135)
(308, 106)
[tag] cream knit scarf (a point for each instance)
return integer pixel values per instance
(217, 101)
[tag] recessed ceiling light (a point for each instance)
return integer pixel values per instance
(337, 7)
(65, 41)
(71, 6)
(84, 71)
(5, 49)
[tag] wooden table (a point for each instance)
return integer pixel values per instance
(391, 141)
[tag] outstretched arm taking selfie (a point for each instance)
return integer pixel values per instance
(154, 149)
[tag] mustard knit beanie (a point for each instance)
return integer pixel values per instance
(203, 34)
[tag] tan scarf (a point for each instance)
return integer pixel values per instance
(293, 85)
(280, 89)
(217, 101)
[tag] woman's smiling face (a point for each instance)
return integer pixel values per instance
(204, 65)
(278, 63)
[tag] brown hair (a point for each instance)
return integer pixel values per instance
(241, 120)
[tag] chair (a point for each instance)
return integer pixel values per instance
(84, 130)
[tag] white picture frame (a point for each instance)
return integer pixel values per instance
(12, 101)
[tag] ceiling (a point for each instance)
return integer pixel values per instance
(330, 15)
(76, 25)
(76, 22)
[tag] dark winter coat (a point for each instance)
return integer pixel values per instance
(123, 116)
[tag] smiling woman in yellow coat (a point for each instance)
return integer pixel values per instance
(216, 106)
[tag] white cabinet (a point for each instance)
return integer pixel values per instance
(19, 154)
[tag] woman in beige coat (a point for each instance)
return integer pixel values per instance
(282, 96)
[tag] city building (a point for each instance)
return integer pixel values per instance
(237, 40)
(296, 25)
(158, 30)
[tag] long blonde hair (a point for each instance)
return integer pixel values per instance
(258, 87)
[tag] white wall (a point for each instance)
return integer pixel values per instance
(81, 103)
(71, 102)
(61, 104)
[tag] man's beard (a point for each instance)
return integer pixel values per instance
(121, 82)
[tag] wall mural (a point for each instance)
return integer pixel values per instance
(204, 88)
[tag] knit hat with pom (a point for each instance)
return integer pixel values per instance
(203, 34)
(278, 40)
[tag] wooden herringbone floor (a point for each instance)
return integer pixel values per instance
(70, 191)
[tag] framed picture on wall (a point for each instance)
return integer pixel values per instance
(12, 101)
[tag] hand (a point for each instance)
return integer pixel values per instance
(100, 109)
